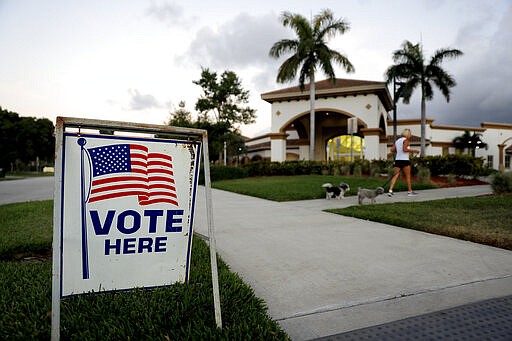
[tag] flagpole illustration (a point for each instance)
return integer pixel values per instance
(85, 254)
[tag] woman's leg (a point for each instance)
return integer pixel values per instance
(407, 172)
(393, 180)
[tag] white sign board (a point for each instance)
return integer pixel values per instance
(127, 212)
(352, 125)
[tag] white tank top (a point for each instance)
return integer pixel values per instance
(400, 154)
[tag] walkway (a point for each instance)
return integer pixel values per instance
(323, 274)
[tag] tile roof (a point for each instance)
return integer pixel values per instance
(340, 87)
(326, 84)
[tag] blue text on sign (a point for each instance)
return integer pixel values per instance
(130, 221)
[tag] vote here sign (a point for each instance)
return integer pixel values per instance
(127, 212)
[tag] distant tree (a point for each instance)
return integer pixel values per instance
(222, 107)
(181, 117)
(469, 142)
(24, 139)
(412, 69)
(8, 132)
(224, 99)
(309, 51)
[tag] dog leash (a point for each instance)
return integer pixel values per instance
(388, 180)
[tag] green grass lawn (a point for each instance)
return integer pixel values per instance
(302, 187)
(485, 220)
(177, 312)
(25, 228)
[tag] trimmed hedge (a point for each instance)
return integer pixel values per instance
(459, 165)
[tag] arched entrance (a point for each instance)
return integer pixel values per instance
(345, 148)
(505, 155)
(329, 123)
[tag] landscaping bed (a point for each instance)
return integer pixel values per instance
(443, 181)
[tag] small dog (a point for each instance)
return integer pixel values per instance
(371, 194)
(335, 192)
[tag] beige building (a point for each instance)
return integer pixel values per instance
(368, 104)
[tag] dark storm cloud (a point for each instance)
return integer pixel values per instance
(484, 77)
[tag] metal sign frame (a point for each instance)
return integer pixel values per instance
(64, 123)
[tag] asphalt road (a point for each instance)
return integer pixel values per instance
(28, 189)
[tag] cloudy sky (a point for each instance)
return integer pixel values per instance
(135, 60)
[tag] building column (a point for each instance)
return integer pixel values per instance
(278, 147)
(501, 165)
(372, 143)
(304, 152)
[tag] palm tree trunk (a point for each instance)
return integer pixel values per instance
(423, 125)
(312, 116)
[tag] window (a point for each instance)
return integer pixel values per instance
(490, 161)
(507, 161)
(339, 148)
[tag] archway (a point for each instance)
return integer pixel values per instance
(345, 148)
(504, 156)
(329, 123)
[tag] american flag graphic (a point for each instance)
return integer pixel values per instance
(122, 170)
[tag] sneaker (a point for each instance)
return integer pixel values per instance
(411, 194)
(390, 194)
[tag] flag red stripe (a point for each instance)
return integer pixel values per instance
(138, 163)
(139, 171)
(160, 156)
(159, 163)
(165, 171)
(167, 194)
(160, 178)
(116, 195)
(135, 155)
(153, 186)
(116, 187)
(118, 179)
(139, 147)
(158, 200)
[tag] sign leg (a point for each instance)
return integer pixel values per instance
(209, 219)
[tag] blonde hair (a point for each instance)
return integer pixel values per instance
(406, 132)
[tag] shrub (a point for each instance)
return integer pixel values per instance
(358, 170)
(219, 172)
(451, 179)
(424, 175)
(345, 169)
(375, 171)
(502, 183)
(459, 165)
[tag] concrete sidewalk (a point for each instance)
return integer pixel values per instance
(323, 274)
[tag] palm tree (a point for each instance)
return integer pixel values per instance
(469, 142)
(411, 68)
(310, 51)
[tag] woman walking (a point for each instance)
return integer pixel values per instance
(402, 162)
